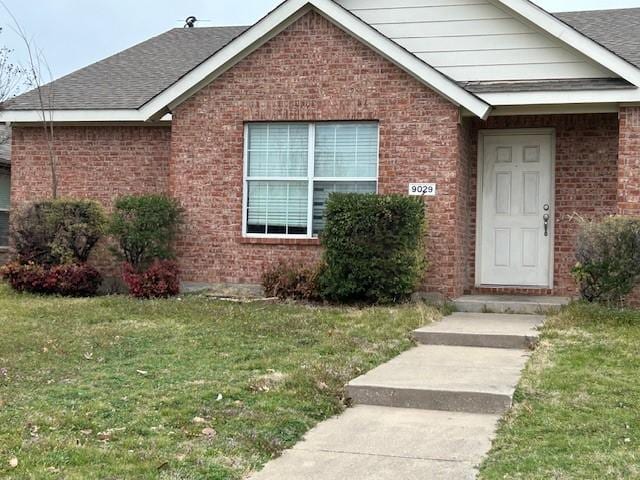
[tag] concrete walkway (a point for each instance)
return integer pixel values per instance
(429, 413)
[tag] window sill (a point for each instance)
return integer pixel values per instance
(279, 241)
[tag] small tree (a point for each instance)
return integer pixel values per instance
(11, 75)
(39, 77)
(145, 228)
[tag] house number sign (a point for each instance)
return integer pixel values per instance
(422, 189)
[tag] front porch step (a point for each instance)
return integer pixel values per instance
(436, 377)
(489, 330)
(518, 304)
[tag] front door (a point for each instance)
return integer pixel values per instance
(515, 225)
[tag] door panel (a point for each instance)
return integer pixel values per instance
(516, 187)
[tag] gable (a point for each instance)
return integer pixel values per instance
(475, 40)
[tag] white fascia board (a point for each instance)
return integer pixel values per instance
(58, 116)
(560, 98)
(574, 39)
(278, 20)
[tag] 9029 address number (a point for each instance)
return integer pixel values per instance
(422, 189)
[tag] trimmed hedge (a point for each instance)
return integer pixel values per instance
(608, 255)
(159, 280)
(374, 247)
(55, 232)
(145, 228)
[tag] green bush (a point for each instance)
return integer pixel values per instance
(374, 247)
(290, 281)
(55, 232)
(145, 228)
(608, 255)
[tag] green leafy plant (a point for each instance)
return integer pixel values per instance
(145, 228)
(374, 247)
(608, 259)
(55, 232)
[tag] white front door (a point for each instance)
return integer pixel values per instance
(515, 194)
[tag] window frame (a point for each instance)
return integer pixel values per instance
(6, 210)
(310, 178)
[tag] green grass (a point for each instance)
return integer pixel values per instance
(110, 387)
(577, 414)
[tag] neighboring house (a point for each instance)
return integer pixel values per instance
(5, 190)
(523, 120)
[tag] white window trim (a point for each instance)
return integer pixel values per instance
(6, 210)
(310, 178)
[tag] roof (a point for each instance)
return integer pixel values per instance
(566, 85)
(618, 30)
(160, 72)
(134, 76)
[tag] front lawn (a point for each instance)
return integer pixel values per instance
(191, 388)
(578, 406)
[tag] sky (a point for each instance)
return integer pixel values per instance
(76, 33)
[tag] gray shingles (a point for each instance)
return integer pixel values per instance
(618, 30)
(131, 78)
(548, 85)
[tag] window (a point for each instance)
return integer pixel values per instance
(291, 168)
(5, 191)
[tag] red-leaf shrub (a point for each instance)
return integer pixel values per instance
(160, 280)
(71, 280)
(289, 281)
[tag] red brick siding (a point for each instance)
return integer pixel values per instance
(629, 163)
(586, 182)
(312, 71)
(100, 163)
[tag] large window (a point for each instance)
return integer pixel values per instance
(5, 191)
(291, 168)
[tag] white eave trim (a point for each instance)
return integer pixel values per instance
(283, 16)
(59, 116)
(560, 98)
(567, 34)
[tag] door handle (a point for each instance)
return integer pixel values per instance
(546, 217)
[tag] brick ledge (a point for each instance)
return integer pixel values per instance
(279, 241)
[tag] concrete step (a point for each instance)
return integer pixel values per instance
(518, 304)
(489, 330)
(381, 443)
(436, 377)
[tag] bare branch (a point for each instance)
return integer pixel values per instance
(36, 62)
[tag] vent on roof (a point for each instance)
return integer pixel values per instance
(190, 22)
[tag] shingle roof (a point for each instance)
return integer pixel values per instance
(548, 85)
(134, 76)
(618, 30)
(131, 78)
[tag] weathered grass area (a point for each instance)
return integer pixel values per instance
(578, 405)
(117, 388)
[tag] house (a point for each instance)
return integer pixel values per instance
(516, 122)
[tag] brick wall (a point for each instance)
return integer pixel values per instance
(629, 163)
(100, 163)
(586, 181)
(312, 71)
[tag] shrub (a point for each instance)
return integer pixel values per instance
(608, 255)
(160, 280)
(295, 282)
(72, 279)
(55, 232)
(145, 228)
(374, 247)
